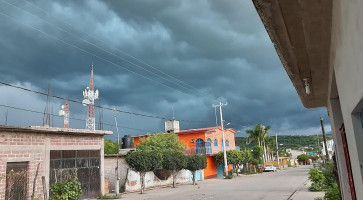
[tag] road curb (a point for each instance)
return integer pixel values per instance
(295, 192)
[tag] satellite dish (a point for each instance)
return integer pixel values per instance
(62, 106)
(85, 102)
(61, 113)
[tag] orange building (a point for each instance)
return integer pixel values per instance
(207, 141)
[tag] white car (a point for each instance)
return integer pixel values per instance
(270, 168)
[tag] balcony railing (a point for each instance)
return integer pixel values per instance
(206, 150)
(199, 150)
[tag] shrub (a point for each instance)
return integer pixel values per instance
(196, 162)
(174, 161)
(317, 179)
(332, 193)
(66, 190)
(230, 175)
(142, 162)
(302, 158)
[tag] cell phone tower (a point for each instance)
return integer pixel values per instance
(65, 113)
(89, 100)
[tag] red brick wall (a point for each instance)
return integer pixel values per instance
(31, 147)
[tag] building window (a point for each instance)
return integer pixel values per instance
(199, 146)
(209, 146)
(215, 143)
(227, 143)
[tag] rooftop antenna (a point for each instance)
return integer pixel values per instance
(172, 107)
(46, 116)
(6, 117)
(89, 100)
(65, 113)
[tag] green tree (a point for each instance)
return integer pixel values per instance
(233, 157)
(257, 152)
(162, 142)
(246, 158)
(196, 162)
(174, 161)
(110, 147)
(142, 162)
(258, 134)
(302, 158)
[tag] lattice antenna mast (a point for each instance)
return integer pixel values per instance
(89, 100)
(65, 113)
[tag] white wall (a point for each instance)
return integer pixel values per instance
(133, 180)
(347, 61)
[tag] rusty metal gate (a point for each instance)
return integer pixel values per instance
(87, 163)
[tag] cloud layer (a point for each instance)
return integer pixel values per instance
(185, 54)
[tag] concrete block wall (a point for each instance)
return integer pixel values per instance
(35, 148)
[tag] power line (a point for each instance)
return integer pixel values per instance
(244, 117)
(195, 90)
(125, 53)
(106, 108)
(83, 120)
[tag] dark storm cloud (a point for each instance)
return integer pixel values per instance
(219, 48)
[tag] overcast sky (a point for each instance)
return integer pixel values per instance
(148, 56)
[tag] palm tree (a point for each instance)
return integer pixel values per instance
(258, 134)
(254, 134)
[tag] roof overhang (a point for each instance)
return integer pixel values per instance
(301, 34)
(54, 130)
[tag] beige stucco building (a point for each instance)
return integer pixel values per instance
(320, 44)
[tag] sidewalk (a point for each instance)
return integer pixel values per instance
(303, 193)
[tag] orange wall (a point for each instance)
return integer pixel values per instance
(217, 134)
(211, 169)
(187, 138)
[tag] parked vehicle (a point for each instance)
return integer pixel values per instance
(270, 168)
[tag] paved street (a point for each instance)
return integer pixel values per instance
(271, 186)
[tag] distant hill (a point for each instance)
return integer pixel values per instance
(288, 141)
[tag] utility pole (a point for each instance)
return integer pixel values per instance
(223, 138)
(117, 185)
(324, 138)
(277, 153)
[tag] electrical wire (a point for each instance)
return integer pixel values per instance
(198, 92)
(195, 90)
(38, 112)
(106, 108)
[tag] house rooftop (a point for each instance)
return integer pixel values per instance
(53, 130)
(208, 129)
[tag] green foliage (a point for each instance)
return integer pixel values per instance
(144, 161)
(110, 147)
(289, 141)
(313, 158)
(317, 180)
(233, 157)
(332, 193)
(230, 175)
(257, 152)
(302, 158)
(174, 160)
(257, 134)
(66, 190)
(161, 142)
(100, 196)
(246, 156)
(327, 170)
(196, 162)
